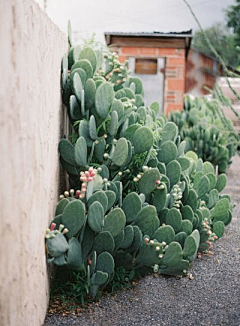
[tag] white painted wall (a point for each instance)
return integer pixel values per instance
(30, 116)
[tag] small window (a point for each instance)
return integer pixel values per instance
(144, 66)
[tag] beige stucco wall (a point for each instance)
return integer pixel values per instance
(31, 48)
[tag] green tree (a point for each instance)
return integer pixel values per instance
(233, 20)
(223, 40)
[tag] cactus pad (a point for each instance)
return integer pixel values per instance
(104, 99)
(105, 263)
(147, 182)
(115, 221)
(173, 255)
(104, 242)
(221, 182)
(121, 152)
(131, 206)
(219, 228)
(128, 237)
(101, 197)
(96, 216)
(80, 151)
(174, 218)
(73, 217)
(142, 140)
(167, 152)
(57, 245)
(147, 220)
(164, 233)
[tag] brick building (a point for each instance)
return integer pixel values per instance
(201, 70)
(160, 60)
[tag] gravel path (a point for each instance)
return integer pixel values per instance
(211, 298)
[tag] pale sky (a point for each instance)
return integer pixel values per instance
(99, 16)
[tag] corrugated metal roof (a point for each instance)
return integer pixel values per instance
(152, 34)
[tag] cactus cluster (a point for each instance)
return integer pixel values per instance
(205, 132)
(138, 199)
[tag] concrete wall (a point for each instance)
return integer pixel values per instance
(30, 116)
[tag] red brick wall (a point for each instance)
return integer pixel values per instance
(174, 71)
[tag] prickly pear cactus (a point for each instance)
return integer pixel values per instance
(212, 138)
(141, 199)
